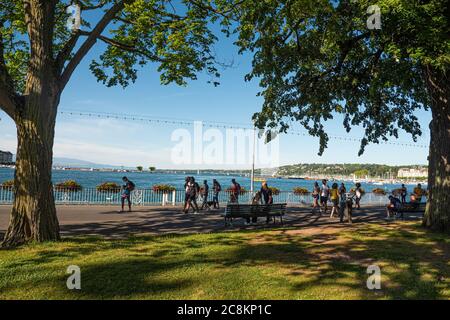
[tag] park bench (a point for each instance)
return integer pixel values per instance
(411, 207)
(235, 210)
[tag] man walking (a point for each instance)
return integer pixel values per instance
(127, 188)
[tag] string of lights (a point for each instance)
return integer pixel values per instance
(211, 124)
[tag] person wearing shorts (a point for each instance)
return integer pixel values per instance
(316, 196)
(334, 196)
(324, 193)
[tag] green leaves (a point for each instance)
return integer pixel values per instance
(153, 31)
(316, 59)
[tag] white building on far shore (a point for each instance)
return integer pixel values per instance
(412, 172)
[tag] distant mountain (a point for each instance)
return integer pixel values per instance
(77, 163)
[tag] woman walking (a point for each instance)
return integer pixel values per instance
(315, 195)
(334, 195)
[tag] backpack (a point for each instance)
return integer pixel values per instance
(218, 188)
(238, 188)
(131, 184)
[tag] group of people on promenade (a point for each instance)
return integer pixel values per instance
(194, 191)
(398, 201)
(340, 199)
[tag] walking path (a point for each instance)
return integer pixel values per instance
(106, 221)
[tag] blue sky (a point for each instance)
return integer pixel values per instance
(131, 143)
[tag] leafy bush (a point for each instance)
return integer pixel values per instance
(163, 188)
(275, 191)
(379, 191)
(363, 192)
(301, 191)
(108, 187)
(69, 185)
(7, 185)
(243, 190)
(420, 192)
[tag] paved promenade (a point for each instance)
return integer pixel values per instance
(106, 221)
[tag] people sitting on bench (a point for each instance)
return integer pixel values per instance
(393, 207)
(256, 200)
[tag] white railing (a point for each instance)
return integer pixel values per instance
(148, 197)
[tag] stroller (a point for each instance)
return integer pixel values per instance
(346, 204)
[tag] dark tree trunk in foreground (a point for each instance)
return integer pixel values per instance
(33, 216)
(437, 215)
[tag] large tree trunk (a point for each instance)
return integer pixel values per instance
(437, 215)
(33, 216)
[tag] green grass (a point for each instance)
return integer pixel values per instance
(281, 264)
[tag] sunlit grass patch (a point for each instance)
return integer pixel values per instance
(326, 263)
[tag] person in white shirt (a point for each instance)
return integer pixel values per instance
(324, 193)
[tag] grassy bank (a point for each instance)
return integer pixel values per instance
(325, 263)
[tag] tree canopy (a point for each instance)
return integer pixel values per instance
(177, 36)
(317, 59)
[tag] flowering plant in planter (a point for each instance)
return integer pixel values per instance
(420, 192)
(69, 185)
(7, 185)
(301, 191)
(165, 188)
(243, 190)
(363, 192)
(275, 191)
(108, 187)
(379, 191)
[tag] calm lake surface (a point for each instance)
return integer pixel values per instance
(145, 180)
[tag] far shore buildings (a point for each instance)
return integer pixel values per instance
(6, 157)
(412, 172)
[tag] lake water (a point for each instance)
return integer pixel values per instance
(145, 180)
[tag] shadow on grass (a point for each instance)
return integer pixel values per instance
(412, 262)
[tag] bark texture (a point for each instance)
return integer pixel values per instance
(437, 215)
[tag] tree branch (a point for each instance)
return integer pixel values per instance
(8, 95)
(89, 42)
(129, 48)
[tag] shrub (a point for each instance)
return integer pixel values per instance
(420, 192)
(379, 191)
(363, 192)
(69, 185)
(163, 188)
(243, 190)
(108, 187)
(301, 191)
(7, 185)
(275, 191)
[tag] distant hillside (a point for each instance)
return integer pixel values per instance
(77, 163)
(347, 169)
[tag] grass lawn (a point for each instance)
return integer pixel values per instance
(312, 263)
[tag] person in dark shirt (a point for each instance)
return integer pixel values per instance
(392, 208)
(266, 193)
(403, 193)
(127, 188)
(267, 196)
(216, 189)
(205, 192)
